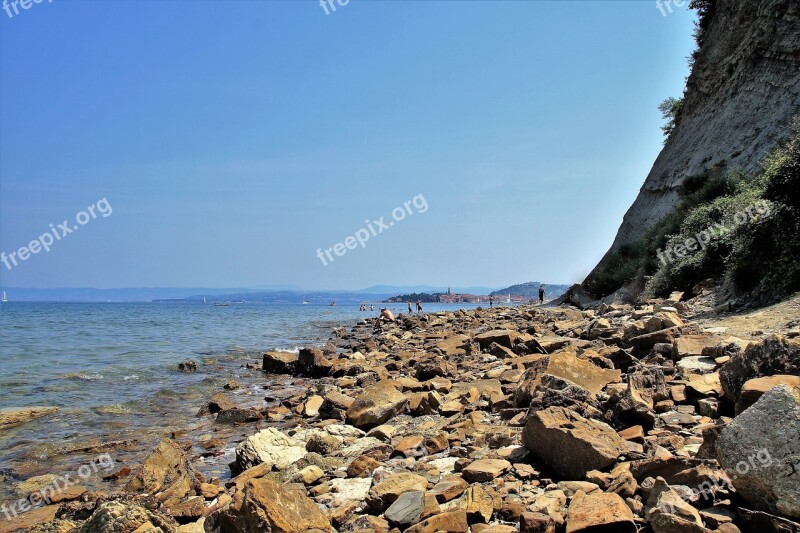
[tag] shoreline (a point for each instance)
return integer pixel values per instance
(434, 394)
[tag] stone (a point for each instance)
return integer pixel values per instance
(410, 446)
(239, 416)
(323, 443)
(406, 510)
(279, 362)
(449, 488)
(484, 470)
(349, 490)
(772, 356)
(570, 444)
(755, 388)
(451, 522)
(387, 491)
(384, 432)
(310, 475)
(503, 337)
(220, 402)
(668, 512)
(362, 466)
(15, 416)
(187, 366)
(115, 516)
(691, 345)
(536, 523)
(567, 366)
(760, 450)
(311, 362)
(166, 474)
(269, 446)
(312, 406)
(477, 503)
(599, 511)
(264, 505)
(376, 405)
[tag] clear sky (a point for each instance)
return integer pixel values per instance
(232, 140)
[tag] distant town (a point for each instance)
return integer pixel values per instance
(516, 294)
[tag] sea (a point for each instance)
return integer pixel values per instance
(112, 368)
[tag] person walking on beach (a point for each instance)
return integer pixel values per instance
(419, 306)
(410, 311)
(541, 294)
(491, 301)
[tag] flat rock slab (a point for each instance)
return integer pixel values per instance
(599, 511)
(20, 415)
(485, 470)
(407, 509)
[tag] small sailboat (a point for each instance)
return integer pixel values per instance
(305, 301)
(5, 297)
(204, 300)
(332, 304)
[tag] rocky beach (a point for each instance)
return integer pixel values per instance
(660, 417)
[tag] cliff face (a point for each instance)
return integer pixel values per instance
(741, 96)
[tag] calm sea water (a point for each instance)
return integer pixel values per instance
(90, 355)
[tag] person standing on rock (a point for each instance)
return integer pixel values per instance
(541, 294)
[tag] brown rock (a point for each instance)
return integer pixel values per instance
(484, 470)
(19, 415)
(387, 491)
(376, 405)
(753, 389)
(312, 363)
(166, 473)
(536, 523)
(599, 511)
(280, 362)
(451, 522)
(264, 505)
(570, 444)
(449, 488)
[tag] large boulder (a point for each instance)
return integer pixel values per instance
(280, 362)
(376, 405)
(567, 366)
(599, 511)
(774, 355)
(760, 450)
(503, 337)
(166, 474)
(571, 444)
(312, 362)
(387, 492)
(269, 446)
(264, 505)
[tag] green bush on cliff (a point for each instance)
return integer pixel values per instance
(753, 235)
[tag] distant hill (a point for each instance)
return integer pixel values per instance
(531, 290)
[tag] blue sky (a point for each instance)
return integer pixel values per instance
(234, 139)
